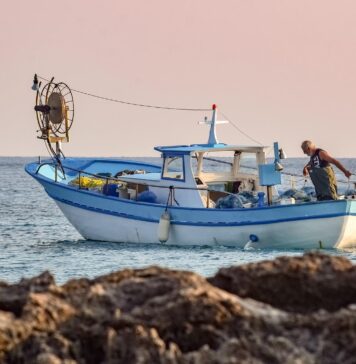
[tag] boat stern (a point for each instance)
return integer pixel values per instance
(348, 233)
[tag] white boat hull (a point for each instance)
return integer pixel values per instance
(334, 232)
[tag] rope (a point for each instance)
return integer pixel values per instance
(305, 182)
(169, 198)
(240, 130)
(132, 103)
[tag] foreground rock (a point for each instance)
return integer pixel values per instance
(157, 315)
(300, 284)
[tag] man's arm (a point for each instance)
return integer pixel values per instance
(326, 157)
(306, 169)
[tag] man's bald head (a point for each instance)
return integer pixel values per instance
(308, 147)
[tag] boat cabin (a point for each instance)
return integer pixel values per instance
(188, 169)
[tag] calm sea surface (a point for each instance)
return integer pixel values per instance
(35, 236)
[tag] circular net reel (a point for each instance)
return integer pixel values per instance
(55, 111)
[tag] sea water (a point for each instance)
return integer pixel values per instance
(35, 236)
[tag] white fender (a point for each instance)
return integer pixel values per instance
(164, 226)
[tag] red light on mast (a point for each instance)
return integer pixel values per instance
(214, 106)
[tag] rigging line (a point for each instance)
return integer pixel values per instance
(240, 130)
(132, 103)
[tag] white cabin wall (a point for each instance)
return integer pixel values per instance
(185, 197)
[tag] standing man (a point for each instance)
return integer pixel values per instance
(321, 172)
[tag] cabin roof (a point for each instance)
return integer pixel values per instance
(196, 148)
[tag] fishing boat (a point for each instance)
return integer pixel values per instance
(182, 201)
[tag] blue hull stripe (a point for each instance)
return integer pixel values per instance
(215, 224)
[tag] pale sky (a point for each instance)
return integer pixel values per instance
(282, 70)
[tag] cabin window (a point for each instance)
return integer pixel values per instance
(173, 168)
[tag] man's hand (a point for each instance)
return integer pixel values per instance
(347, 174)
(305, 171)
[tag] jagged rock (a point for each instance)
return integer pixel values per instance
(162, 316)
(297, 284)
(13, 297)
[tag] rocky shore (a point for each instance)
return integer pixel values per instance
(289, 310)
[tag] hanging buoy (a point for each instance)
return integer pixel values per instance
(163, 227)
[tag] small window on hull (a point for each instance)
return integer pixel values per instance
(173, 168)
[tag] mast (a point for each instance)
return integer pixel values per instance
(212, 134)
